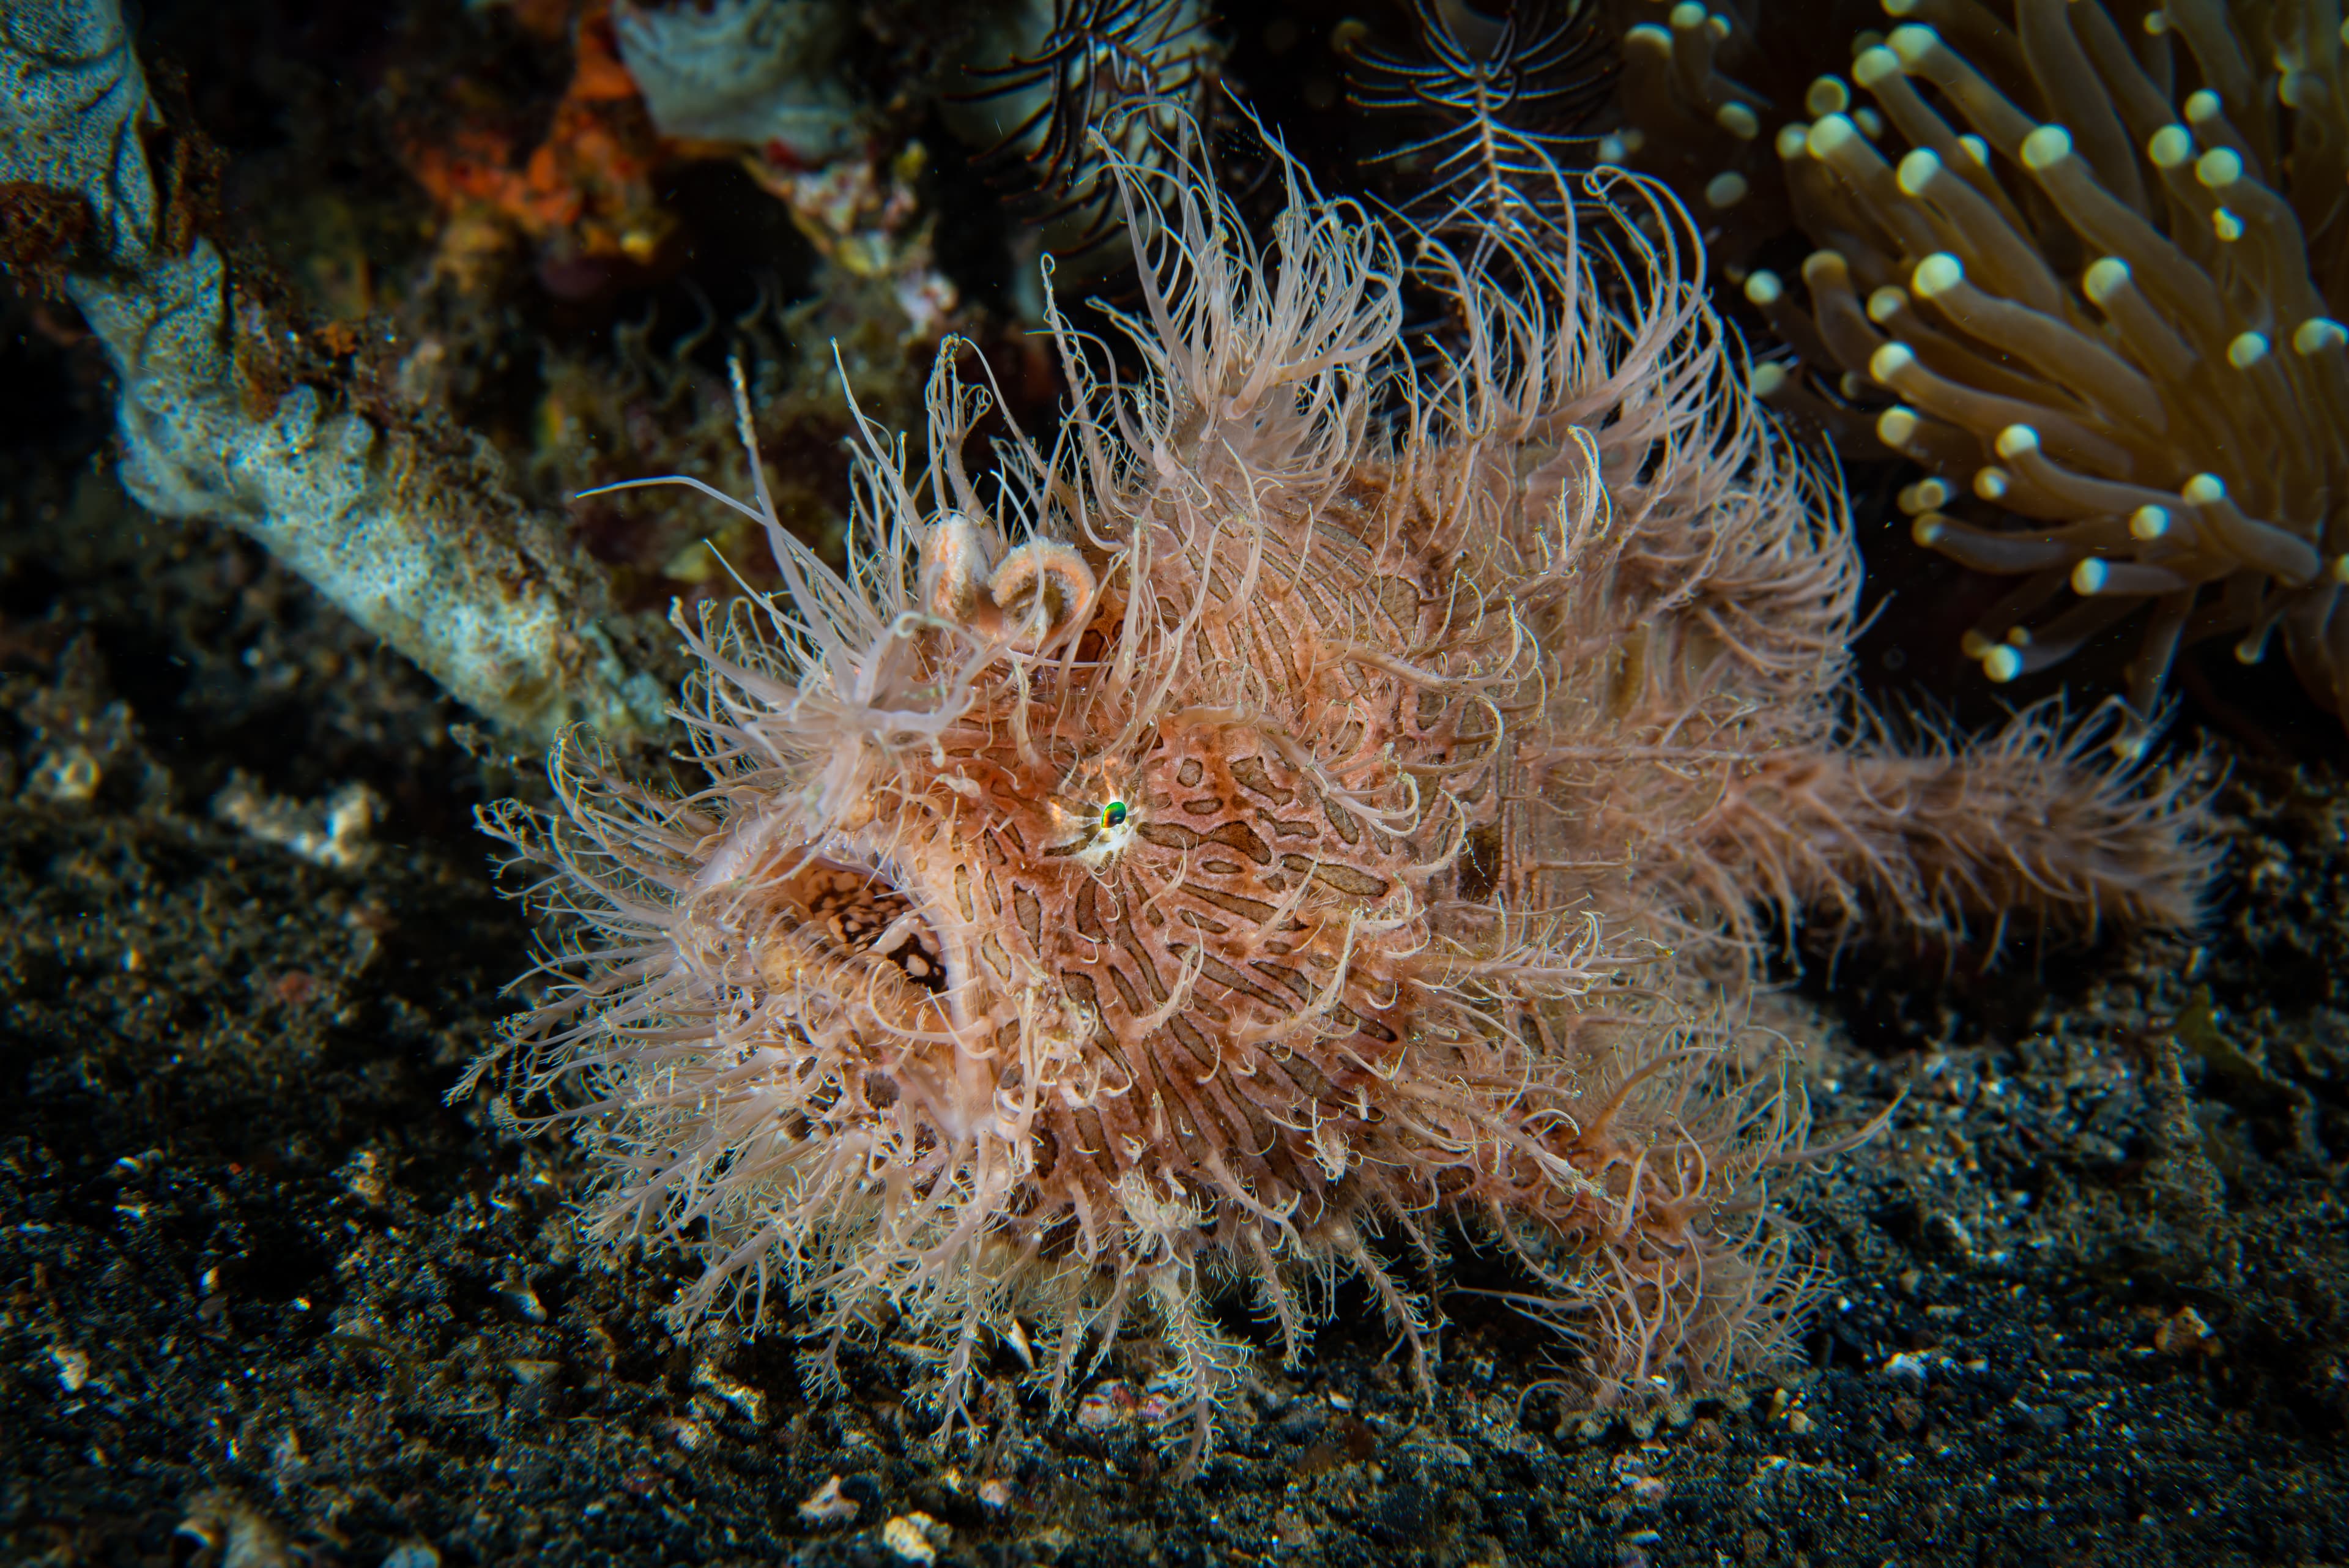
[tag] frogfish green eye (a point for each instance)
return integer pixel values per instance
(1113, 814)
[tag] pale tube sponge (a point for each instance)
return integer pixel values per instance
(424, 551)
(758, 72)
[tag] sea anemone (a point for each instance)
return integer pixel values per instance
(2088, 279)
(1334, 796)
(1700, 93)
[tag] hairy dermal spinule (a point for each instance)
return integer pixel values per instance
(1331, 798)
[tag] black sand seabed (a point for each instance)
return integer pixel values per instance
(264, 1298)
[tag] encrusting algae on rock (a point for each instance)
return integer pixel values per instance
(1327, 798)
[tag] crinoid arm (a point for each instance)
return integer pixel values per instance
(1126, 70)
(1500, 101)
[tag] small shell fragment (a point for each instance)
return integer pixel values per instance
(915, 1537)
(73, 1367)
(1107, 1404)
(829, 1505)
